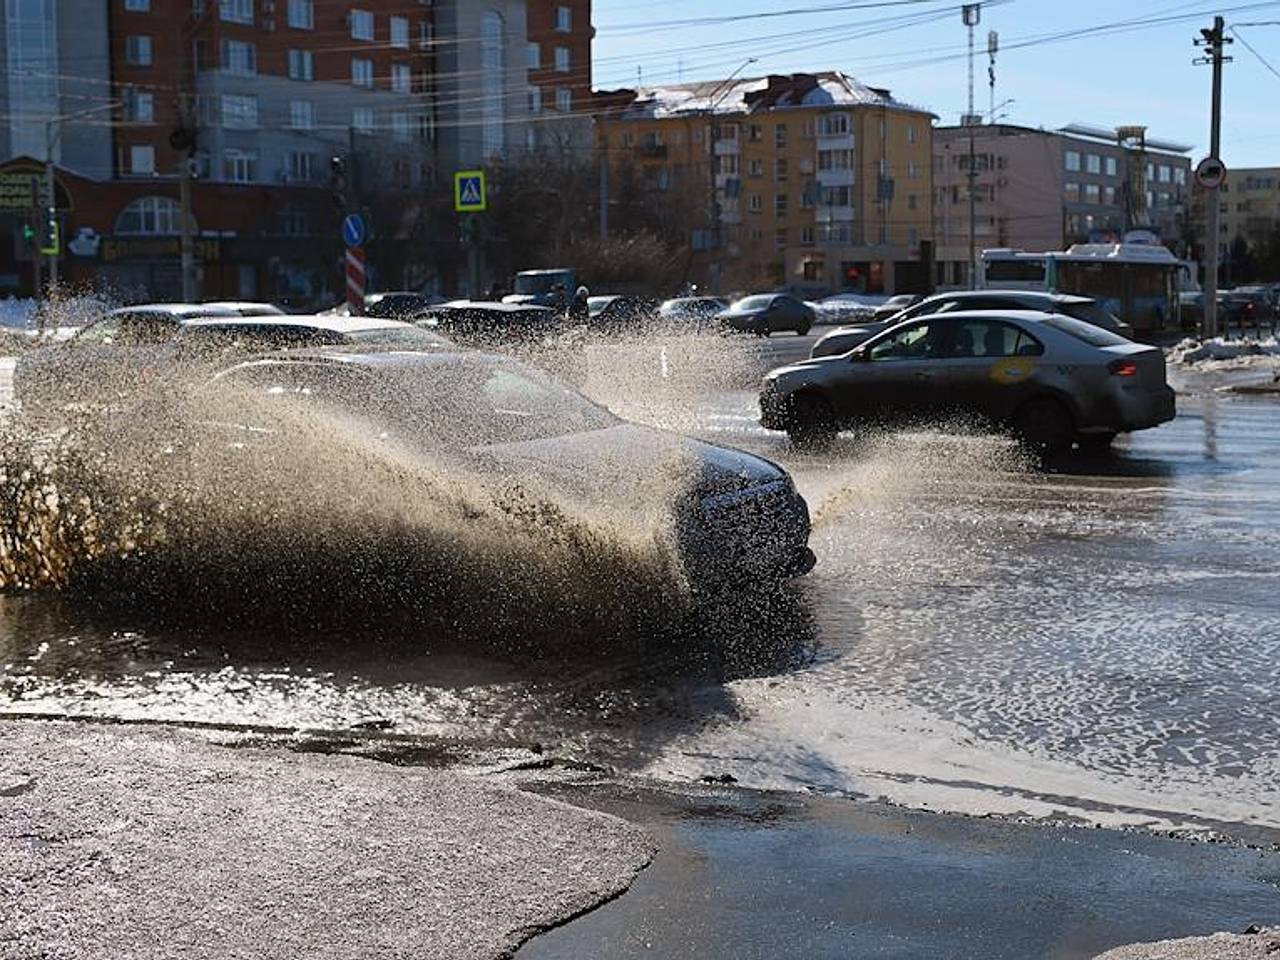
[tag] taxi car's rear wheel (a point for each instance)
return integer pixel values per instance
(1044, 424)
(1095, 442)
(813, 422)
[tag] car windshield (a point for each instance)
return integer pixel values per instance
(596, 304)
(1081, 330)
(536, 283)
(456, 402)
(753, 303)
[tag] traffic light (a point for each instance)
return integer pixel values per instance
(338, 181)
(51, 239)
(28, 233)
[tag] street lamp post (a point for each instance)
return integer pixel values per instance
(52, 132)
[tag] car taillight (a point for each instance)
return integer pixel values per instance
(1123, 368)
(1249, 307)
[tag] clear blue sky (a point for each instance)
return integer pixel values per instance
(1141, 75)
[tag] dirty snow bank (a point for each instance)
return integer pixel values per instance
(1220, 353)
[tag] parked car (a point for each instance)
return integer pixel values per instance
(847, 308)
(248, 308)
(695, 311)
(481, 322)
(1050, 378)
(895, 305)
(399, 304)
(111, 359)
(844, 339)
(543, 288)
(738, 517)
(617, 312)
(768, 313)
(1246, 307)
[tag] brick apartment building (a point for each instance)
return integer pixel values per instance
(404, 92)
(821, 183)
(1042, 189)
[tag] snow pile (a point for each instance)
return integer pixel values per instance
(1227, 353)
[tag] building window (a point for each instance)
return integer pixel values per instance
(1180, 176)
(533, 56)
(564, 19)
(780, 170)
(239, 166)
(564, 99)
(149, 216)
(302, 65)
(301, 167)
(780, 205)
(401, 127)
(239, 57)
(236, 11)
(755, 203)
(911, 133)
(728, 165)
(1093, 163)
(780, 239)
(806, 238)
(239, 112)
(913, 237)
(400, 32)
(1166, 173)
(562, 59)
(755, 168)
(137, 50)
(837, 196)
(1073, 160)
(1092, 193)
(535, 99)
(361, 25)
(302, 14)
(401, 78)
(1110, 166)
(911, 201)
(302, 114)
(833, 125)
(361, 72)
(493, 92)
(1109, 195)
(835, 159)
(139, 106)
(780, 135)
(1071, 190)
(362, 119)
(755, 133)
(142, 159)
(138, 6)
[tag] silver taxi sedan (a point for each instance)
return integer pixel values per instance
(1049, 378)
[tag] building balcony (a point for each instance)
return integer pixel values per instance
(835, 178)
(825, 215)
(842, 142)
(727, 148)
(652, 151)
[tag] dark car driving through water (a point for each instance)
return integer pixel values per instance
(737, 515)
(1051, 379)
(766, 313)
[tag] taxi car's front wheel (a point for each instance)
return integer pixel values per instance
(1045, 424)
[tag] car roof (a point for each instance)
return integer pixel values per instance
(328, 321)
(993, 313)
(393, 361)
(239, 305)
(1013, 295)
(493, 305)
(179, 310)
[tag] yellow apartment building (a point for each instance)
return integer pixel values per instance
(821, 183)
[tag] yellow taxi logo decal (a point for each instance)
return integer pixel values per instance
(1012, 369)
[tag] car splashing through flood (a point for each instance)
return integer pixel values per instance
(468, 489)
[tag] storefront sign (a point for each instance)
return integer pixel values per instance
(19, 192)
(157, 248)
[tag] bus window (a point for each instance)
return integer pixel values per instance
(1015, 271)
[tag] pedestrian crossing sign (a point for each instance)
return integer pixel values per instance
(468, 191)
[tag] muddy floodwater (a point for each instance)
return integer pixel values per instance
(1099, 638)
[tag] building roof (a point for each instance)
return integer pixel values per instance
(757, 94)
(984, 131)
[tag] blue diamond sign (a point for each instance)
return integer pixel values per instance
(469, 192)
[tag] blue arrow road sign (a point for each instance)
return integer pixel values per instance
(353, 230)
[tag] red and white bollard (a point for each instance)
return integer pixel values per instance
(355, 280)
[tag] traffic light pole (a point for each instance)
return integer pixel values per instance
(52, 204)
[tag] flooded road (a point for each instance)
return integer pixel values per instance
(1099, 639)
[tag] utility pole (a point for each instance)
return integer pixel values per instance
(51, 201)
(604, 191)
(1213, 41)
(186, 172)
(971, 13)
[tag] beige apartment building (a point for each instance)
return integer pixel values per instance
(1038, 189)
(820, 182)
(1249, 205)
